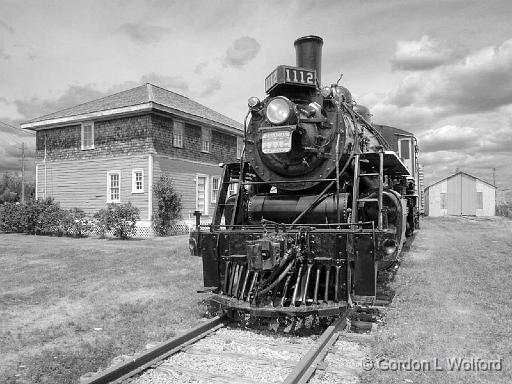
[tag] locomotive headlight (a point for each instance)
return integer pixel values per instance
(279, 110)
(325, 91)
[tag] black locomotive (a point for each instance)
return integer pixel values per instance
(323, 201)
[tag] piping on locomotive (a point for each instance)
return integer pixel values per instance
(322, 201)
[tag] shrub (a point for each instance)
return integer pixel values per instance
(504, 210)
(12, 218)
(43, 217)
(168, 209)
(119, 218)
(75, 223)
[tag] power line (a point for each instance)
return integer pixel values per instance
(17, 128)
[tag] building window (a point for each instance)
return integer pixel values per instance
(405, 149)
(177, 134)
(206, 137)
(443, 200)
(239, 146)
(201, 193)
(215, 188)
(232, 189)
(113, 187)
(87, 136)
(479, 200)
(137, 181)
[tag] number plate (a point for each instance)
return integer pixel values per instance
(290, 75)
(276, 141)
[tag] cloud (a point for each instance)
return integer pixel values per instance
(74, 95)
(79, 94)
(479, 82)
(211, 87)
(476, 85)
(144, 33)
(423, 54)
(10, 148)
(199, 69)
(241, 52)
(168, 82)
(7, 27)
(4, 55)
(449, 137)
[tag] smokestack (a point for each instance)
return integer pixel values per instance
(308, 51)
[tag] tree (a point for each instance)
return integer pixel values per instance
(168, 209)
(10, 188)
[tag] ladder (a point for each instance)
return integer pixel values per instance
(355, 188)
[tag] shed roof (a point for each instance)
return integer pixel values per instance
(458, 173)
(142, 98)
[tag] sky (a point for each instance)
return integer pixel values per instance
(439, 69)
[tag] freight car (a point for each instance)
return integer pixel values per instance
(323, 201)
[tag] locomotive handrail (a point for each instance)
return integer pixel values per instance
(279, 225)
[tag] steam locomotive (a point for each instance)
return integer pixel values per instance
(323, 200)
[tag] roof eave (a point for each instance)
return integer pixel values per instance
(146, 107)
(67, 120)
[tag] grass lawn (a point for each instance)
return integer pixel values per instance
(453, 300)
(68, 306)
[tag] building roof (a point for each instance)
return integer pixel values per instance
(458, 173)
(391, 134)
(139, 99)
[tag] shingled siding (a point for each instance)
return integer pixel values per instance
(184, 174)
(222, 146)
(83, 183)
(114, 137)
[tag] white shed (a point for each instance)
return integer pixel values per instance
(460, 194)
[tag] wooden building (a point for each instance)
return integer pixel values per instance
(460, 194)
(114, 150)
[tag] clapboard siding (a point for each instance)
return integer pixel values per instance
(184, 174)
(83, 183)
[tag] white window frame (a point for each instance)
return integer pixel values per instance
(215, 191)
(206, 139)
(239, 146)
(109, 186)
(177, 134)
(409, 141)
(206, 192)
(232, 189)
(134, 181)
(82, 135)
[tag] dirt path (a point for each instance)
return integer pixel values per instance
(451, 319)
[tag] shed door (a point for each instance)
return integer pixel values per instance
(453, 198)
(468, 195)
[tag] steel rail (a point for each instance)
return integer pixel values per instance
(161, 351)
(303, 371)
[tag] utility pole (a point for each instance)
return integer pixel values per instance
(23, 173)
(494, 176)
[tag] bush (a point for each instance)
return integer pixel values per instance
(504, 210)
(43, 217)
(168, 209)
(12, 218)
(119, 218)
(76, 223)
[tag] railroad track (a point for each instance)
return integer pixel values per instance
(216, 353)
